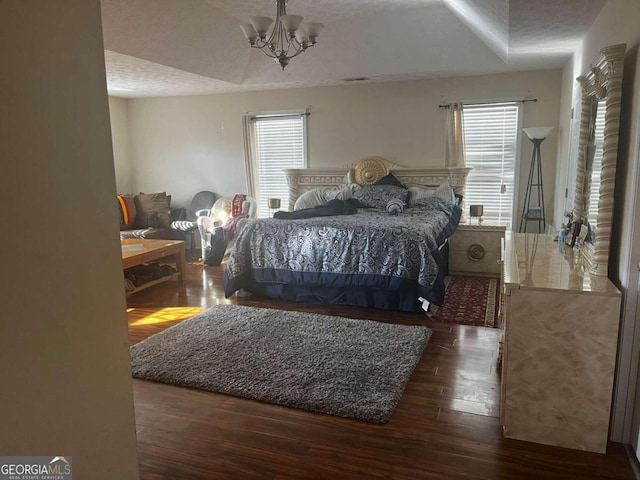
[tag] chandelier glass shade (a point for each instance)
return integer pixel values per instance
(283, 39)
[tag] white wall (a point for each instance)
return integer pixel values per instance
(566, 162)
(618, 23)
(186, 144)
(64, 356)
(121, 141)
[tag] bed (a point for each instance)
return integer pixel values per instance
(370, 258)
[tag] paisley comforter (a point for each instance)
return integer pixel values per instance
(368, 249)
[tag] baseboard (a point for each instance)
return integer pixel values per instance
(633, 460)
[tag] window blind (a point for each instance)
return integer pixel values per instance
(279, 144)
(491, 140)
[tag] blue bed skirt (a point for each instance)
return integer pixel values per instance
(375, 291)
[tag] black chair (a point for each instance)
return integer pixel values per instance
(200, 206)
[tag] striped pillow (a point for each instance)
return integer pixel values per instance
(127, 211)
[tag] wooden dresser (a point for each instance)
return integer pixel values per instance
(558, 348)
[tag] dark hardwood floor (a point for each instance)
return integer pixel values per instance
(446, 425)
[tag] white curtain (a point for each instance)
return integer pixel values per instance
(454, 136)
(249, 153)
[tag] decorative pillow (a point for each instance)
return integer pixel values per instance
(378, 196)
(310, 199)
(390, 179)
(154, 203)
(395, 206)
(416, 192)
(127, 210)
(320, 196)
(147, 220)
(342, 193)
(443, 192)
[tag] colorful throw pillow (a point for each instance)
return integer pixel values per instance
(127, 210)
(378, 196)
(154, 203)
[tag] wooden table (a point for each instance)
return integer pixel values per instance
(145, 251)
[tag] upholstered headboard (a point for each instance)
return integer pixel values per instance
(301, 180)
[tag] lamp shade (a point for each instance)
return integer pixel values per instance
(249, 31)
(301, 36)
(291, 22)
(273, 202)
(476, 210)
(312, 29)
(537, 132)
(261, 24)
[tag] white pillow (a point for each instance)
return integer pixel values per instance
(320, 196)
(420, 191)
(310, 199)
(342, 193)
(444, 192)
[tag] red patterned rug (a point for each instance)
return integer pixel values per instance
(468, 301)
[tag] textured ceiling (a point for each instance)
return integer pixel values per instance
(187, 47)
(318, 10)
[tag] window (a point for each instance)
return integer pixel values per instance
(491, 146)
(278, 142)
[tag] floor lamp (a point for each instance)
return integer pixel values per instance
(534, 212)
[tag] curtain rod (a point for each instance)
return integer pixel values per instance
(278, 115)
(493, 103)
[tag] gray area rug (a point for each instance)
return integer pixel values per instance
(350, 368)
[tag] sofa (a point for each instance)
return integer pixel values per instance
(150, 216)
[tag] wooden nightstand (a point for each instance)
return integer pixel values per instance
(475, 249)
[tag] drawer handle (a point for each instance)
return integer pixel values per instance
(475, 252)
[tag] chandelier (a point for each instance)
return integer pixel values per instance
(288, 37)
